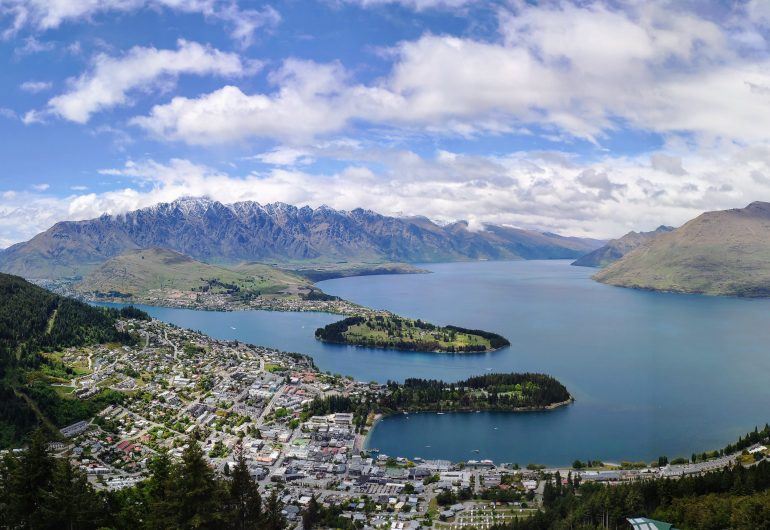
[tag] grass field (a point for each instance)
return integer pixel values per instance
(159, 271)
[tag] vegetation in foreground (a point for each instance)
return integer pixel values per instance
(737, 498)
(394, 332)
(40, 491)
(34, 321)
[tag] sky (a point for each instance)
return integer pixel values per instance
(583, 118)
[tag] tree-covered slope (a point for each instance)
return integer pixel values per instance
(719, 253)
(34, 321)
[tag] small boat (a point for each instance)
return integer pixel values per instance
(440, 413)
(476, 451)
(232, 327)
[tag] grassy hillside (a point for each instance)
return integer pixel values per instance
(326, 271)
(34, 321)
(617, 248)
(718, 253)
(406, 334)
(165, 273)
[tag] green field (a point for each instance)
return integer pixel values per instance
(407, 334)
(161, 272)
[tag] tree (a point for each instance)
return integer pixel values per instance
(159, 491)
(195, 495)
(273, 518)
(245, 502)
(311, 515)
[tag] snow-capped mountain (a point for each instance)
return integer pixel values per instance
(248, 231)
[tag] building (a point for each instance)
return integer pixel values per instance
(643, 523)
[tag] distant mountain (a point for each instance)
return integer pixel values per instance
(213, 232)
(617, 248)
(721, 253)
(138, 272)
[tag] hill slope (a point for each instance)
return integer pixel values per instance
(138, 273)
(720, 253)
(33, 321)
(247, 231)
(617, 248)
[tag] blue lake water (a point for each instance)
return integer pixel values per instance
(652, 373)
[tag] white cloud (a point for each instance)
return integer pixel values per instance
(311, 99)
(580, 71)
(417, 5)
(40, 187)
(111, 79)
(284, 156)
(551, 191)
(43, 15)
(35, 86)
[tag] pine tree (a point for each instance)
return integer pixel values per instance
(245, 502)
(273, 519)
(28, 476)
(194, 498)
(159, 490)
(312, 514)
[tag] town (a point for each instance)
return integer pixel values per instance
(237, 398)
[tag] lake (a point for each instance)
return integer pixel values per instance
(652, 373)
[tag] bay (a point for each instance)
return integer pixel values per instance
(652, 373)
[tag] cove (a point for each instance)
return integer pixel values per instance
(653, 373)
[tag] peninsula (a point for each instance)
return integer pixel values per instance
(499, 392)
(394, 332)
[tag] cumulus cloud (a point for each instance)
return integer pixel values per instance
(579, 70)
(42, 15)
(311, 99)
(111, 79)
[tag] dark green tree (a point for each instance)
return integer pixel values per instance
(312, 514)
(273, 518)
(195, 498)
(244, 499)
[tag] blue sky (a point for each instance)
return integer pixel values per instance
(586, 118)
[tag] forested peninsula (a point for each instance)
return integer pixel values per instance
(394, 332)
(504, 392)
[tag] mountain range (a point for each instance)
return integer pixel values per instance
(217, 233)
(721, 253)
(617, 248)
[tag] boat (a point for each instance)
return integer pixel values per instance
(476, 451)
(440, 413)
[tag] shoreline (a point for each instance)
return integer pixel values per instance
(445, 352)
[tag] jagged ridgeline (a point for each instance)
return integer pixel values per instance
(34, 321)
(394, 332)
